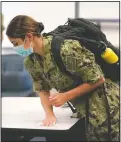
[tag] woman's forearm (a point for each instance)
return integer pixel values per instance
(48, 108)
(82, 89)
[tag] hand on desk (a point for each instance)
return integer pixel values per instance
(50, 120)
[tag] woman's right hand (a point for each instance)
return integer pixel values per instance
(50, 120)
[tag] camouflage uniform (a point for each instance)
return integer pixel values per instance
(80, 61)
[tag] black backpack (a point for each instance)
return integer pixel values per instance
(90, 36)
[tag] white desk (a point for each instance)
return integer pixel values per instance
(26, 113)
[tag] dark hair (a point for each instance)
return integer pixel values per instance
(22, 24)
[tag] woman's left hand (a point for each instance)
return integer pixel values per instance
(57, 99)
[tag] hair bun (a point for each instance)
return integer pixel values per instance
(40, 27)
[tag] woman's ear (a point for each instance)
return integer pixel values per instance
(28, 39)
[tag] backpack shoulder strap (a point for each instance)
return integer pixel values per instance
(55, 49)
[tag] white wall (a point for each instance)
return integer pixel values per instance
(51, 14)
(103, 10)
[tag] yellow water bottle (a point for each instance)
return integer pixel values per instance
(108, 54)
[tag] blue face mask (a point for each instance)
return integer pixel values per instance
(23, 52)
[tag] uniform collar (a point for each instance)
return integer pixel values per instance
(47, 44)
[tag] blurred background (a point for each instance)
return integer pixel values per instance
(15, 79)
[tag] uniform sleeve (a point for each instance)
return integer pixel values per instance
(38, 82)
(80, 61)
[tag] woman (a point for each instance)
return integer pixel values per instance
(25, 34)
